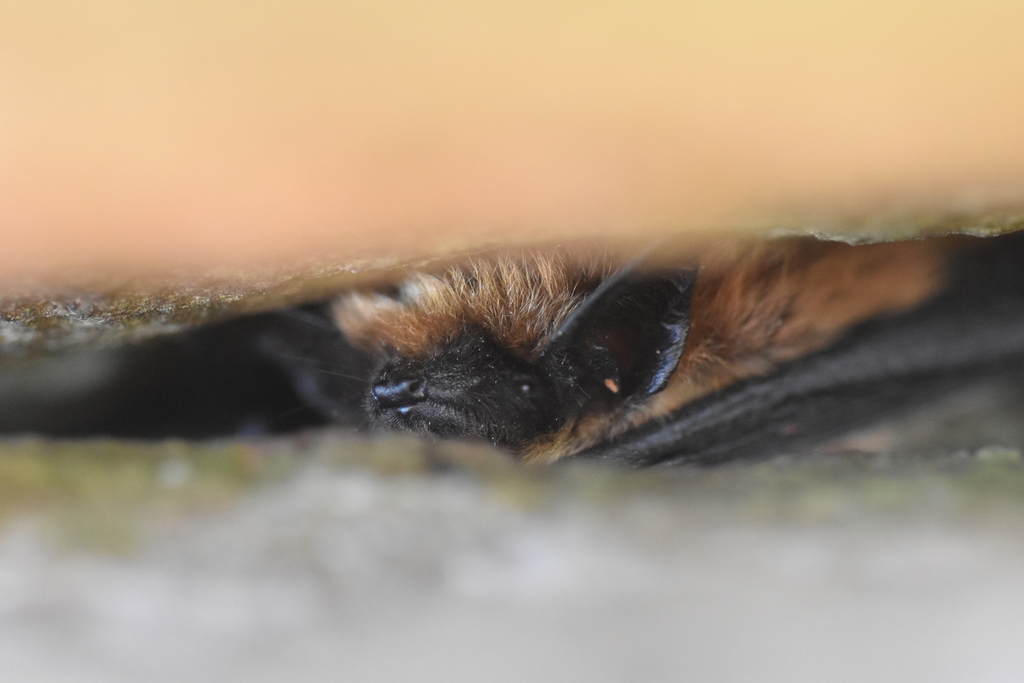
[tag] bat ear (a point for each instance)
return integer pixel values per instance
(631, 331)
(649, 334)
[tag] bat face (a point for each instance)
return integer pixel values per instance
(469, 387)
(733, 354)
(622, 340)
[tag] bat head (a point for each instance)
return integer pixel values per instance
(617, 347)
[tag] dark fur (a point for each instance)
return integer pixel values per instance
(782, 346)
(620, 344)
(471, 387)
(973, 328)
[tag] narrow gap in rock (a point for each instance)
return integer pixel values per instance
(208, 382)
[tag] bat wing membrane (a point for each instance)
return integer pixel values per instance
(975, 326)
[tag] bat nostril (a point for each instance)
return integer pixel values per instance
(398, 393)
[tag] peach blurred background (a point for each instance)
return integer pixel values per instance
(143, 137)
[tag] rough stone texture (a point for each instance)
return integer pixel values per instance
(60, 316)
(72, 312)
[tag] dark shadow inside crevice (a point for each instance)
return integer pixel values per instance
(210, 382)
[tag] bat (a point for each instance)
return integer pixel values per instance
(743, 351)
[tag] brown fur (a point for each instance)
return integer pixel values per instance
(520, 301)
(757, 305)
(754, 305)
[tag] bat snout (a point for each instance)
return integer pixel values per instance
(399, 392)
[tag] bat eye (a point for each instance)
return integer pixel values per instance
(525, 387)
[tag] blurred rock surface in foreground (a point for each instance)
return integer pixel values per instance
(323, 557)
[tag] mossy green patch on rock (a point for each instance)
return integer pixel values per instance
(103, 494)
(99, 490)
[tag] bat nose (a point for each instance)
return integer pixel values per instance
(398, 393)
